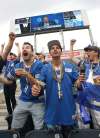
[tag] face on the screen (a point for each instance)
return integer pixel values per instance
(45, 19)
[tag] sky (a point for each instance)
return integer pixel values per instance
(11, 9)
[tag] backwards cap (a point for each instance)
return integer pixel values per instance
(54, 42)
(92, 48)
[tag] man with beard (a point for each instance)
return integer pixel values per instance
(27, 103)
(90, 84)
(59, 76)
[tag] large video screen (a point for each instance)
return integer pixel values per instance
(46, 22)
(51, 22)
(23, 26)
(73, 19)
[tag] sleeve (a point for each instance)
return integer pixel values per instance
(40, 66)
(36, 68)
(75, 73)
(17, 61)
(11, 75)
(43, 72)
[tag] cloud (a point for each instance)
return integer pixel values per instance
(20, 8)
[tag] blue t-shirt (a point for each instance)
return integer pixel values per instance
(26, 93)
(90, 91)
(59, 111)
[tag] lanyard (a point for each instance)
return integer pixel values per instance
(59, 79)
(60, 94)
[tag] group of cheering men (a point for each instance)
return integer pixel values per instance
(46, 89)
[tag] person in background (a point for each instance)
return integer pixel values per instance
(90, 84)
(74, 59)
(59, 76)
(41, 57)
(26, 103)
(72, 43)
(83, 60)
(7, 49)
(1, 49)
(1, 52)
(9, 90)
(93, 72)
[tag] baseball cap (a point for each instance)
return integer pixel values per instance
(92, 48)
(54, 42)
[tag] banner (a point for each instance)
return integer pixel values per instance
(67, 54)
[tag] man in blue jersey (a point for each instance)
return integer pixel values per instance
(93, 84)
(90, 95)
(27, 103)
(59, 77)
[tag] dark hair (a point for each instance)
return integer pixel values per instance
(40, 54)
(12, 54)
(27, 43)
(37, 54)
(54, 42)
(92, 48)
(87, 48)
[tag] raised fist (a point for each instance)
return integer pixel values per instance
(72, 41)
(12, 36)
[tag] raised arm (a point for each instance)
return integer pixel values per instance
(2, 48)
(18, 49)
(9, 45)
(31, 79)
(72, 42)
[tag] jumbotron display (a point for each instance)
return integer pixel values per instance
(51, 22)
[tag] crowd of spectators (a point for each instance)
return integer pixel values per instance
(56, 93)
